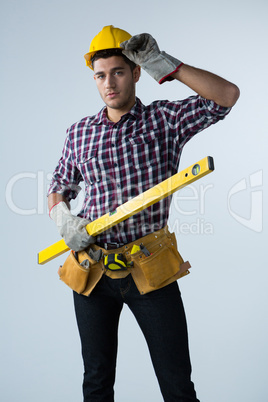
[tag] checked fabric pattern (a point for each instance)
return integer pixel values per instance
(118, 161)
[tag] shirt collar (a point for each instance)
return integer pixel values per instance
(135, 111)
(101, 117)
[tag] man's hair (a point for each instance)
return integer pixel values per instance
(106, 53)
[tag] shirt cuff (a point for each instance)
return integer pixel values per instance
(70, 191)
(216, 109)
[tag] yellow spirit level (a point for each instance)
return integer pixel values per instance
(135, 205)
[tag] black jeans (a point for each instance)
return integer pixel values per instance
(160, 315)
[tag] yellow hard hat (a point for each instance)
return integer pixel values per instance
(108, 38)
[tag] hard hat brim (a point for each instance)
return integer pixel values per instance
(88, 56)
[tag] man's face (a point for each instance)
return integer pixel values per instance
(116, 82)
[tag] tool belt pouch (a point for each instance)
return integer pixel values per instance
(73, 274)
(79, 278)
(164, 263)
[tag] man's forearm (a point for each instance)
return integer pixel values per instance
(55, 198)
(208, 85)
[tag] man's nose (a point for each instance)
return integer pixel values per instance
(110, 82)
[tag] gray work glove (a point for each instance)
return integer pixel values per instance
(71, 228)
(143, 50)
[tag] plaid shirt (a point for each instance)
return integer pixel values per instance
(118, 161)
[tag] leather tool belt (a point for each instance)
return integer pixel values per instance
(163, 266)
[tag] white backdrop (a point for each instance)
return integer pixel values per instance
(220, 221)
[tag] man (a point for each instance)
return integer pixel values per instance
(119, 153)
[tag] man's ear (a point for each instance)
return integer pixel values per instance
(137, 73)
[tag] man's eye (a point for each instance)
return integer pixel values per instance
(118, 73)
(100, 77)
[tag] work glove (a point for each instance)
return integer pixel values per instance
(143, 50)
(71, 228)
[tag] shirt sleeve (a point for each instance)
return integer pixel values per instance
(192, 115)
(66, 176)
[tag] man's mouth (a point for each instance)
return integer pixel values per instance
(112, 94)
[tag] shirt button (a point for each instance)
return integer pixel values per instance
(113, 145)
(115, 164)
